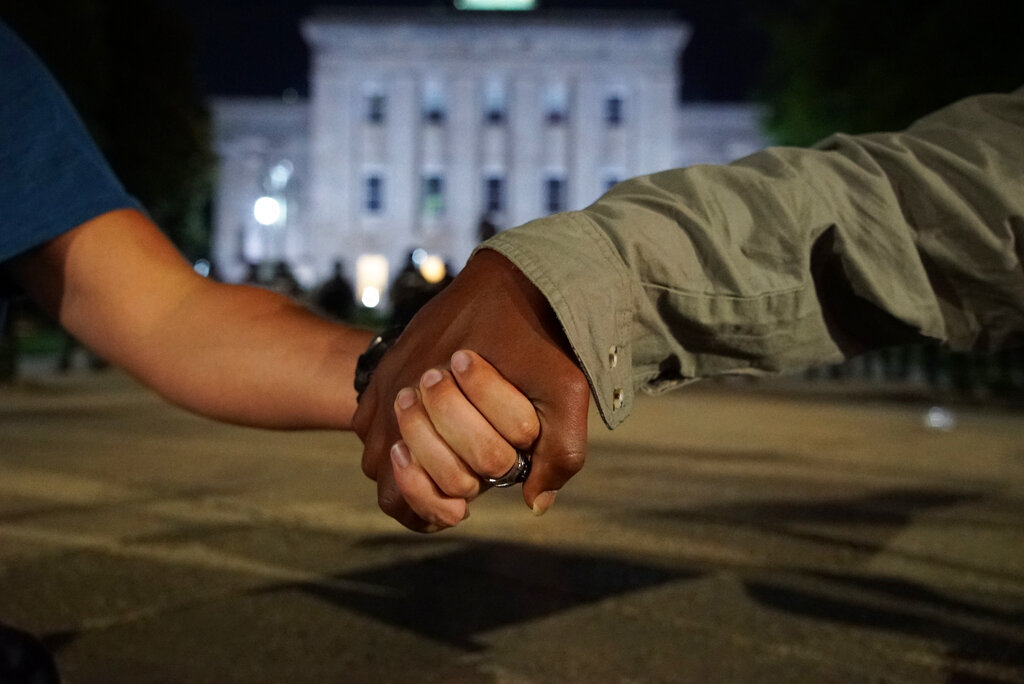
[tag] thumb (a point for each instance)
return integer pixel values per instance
(561, 449)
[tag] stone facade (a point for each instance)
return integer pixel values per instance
(421, 124)
(263, 147)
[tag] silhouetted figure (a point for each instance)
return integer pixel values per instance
(486, 230)
(409, 292)
(8, 346)
(283, 281)
(68, 349)
(335, 297)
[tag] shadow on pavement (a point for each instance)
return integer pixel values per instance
(979, 635)
(478, 587)
(973, 634)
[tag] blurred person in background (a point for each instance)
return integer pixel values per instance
(335, 297)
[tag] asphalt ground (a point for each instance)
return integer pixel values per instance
(720, 535)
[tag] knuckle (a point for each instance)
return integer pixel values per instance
(576, 388)
(362, 420)
(440, 519)
(392, 504)
(466, 489)
(456, 484)
(447, 519)
(417, 524)
(496, 461)
(525, 431)
(368, 470)
(570, 462)
(369, 465)
(360, 427)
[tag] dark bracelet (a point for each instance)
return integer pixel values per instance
(369, 359)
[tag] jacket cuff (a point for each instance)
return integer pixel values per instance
(577, 269)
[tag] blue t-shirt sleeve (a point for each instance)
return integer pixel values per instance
(55, 178)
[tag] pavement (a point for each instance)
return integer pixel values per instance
(725, 533)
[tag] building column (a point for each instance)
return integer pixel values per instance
(525, 120)
(462, 184)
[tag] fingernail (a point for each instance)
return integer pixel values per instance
(406, 398)
(400, 455)
(460, 361)
(543, 502)
(431, 377)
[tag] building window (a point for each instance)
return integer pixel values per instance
(494, 195)
(494, 103)
(554, 194)
(374, 194)
(494, 117)
(433, 196)
(434, 115)
(556, 105)
(433, 103)
(613, 111)
(376, 105)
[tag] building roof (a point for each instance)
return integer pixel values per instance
(444, 15)
(440, 32)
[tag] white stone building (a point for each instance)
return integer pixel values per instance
(421, 123)
(263, 146)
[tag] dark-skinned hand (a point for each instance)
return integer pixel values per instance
(492, 309)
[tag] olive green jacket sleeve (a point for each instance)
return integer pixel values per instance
(792, 257)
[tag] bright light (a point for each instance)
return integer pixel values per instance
(370, 298)
(371, 278)
(418, 255)
(267, 211)
(495, 4)
(432, 269)
(938, 418)
(281, 173)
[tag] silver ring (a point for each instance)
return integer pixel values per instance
(517, 473)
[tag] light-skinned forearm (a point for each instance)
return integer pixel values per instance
(234, 353)
(250, 356)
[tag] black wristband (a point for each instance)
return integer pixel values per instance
(369, 359)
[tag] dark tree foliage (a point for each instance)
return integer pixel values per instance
(867, 65)
(127, 67)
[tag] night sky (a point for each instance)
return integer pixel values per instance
(253, 47)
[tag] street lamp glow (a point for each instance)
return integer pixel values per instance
(370, 298)
(371, 278)
(432, 269)
(280, 174)
(267, 211)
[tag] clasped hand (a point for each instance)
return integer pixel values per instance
(483, 369)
